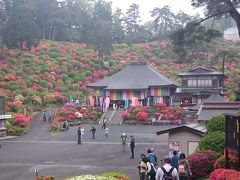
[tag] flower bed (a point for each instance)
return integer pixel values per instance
(224, 174)
(164, 115)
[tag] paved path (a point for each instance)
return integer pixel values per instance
(61, 156)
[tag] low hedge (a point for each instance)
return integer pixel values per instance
(224, 174)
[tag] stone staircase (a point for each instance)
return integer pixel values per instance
(113, 116)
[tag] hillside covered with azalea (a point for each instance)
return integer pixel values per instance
(53, 72)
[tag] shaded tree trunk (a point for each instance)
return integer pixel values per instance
(234, 14)
(44, 31)
(54, 32)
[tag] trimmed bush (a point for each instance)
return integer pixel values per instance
(224, 174)
(213, 141)
(141, 116)
(202, 163)
(217, 123)
(125, 116)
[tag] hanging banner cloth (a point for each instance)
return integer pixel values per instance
(91, 101)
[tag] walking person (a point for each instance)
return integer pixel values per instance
(124, 141)
(93, 131)
(174, 159)
(155, 157)
(139, 164)
(44, 116)
(184, 170)
(132, 146)
(79, 135)
(152, 157)
(167, 171)
(144, 168)
(106, 132)
(104, 123)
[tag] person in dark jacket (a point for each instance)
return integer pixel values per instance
(79, 135)
(93, 130)
(174, 159)
(132, 146)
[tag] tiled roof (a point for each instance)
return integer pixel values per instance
(134, 76)
(195, 128)
(200, 71)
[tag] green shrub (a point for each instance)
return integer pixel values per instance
(71, 74)
(69, 67)
(54, 49)
(217, 123)
(27, 60)
(43, 83)
(213, 141)
(53, 55)
(116, 175)
(42, 57)
(44, 68)
(88, 73)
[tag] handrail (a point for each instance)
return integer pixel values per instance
(102, 117)
(113, 113)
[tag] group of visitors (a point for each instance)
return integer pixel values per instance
(93, 130)
(46, 116)
(172, 168)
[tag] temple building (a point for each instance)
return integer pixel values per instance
(137, 84)
(197, 85)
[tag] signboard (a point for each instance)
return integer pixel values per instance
(232, 136)
(2, 105)
(175, 145)
(6, 116)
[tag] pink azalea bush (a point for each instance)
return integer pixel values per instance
(125, 116)
(224, 174)
(202, 163)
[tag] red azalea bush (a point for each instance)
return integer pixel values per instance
(141, 116)
(202, 163)
(161, 105)
(225, 174)
(125, 116)
(233, 160)
(21, 120)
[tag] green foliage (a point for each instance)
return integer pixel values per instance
(53, 55)
(43, 83)
(21, 27)
(217, 123)
(213, 141)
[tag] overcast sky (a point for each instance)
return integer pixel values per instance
(147, 5)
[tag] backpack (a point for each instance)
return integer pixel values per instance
(182, 169)
(153, 170)
(167, 175)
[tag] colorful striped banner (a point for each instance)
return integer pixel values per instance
(116, 95)
(98, 92)
(130, 94)
(159, 92)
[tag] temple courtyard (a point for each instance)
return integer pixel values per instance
(60, 155)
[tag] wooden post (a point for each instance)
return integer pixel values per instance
(226, 144)
(238, 141)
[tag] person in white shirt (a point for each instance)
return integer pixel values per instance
(170, 171)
